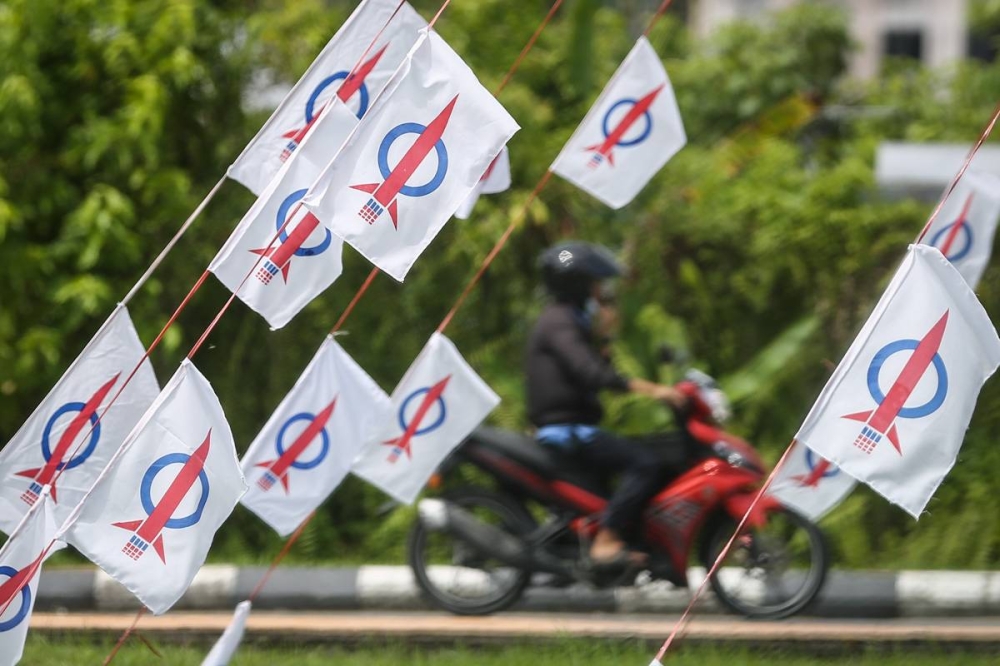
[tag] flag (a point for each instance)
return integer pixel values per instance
(64, 437)
(632, 130)
(495, 180)
(20, 568)
(439, 401)
(809, 484)
(964, 227)
(150, 518)
(229, 642)
(306, 448)
(895, 411)
(422, 149)
(329, 77)
(296, 257)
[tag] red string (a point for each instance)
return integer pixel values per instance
(528, 46)
(354, 301)
(444, 5)
(495, 251)
(656, 17)
(961, 172)
(280, 556)
(124, 636)
(722, 556)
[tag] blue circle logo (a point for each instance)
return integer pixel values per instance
(966, 234)
(146, 491)
(326, 83)
(875, 369)
(282, 228)
(324, 450)
(439, 148)
(22, 612)
(623, 142)
(95, 435)
(442, 413)
(812, 460)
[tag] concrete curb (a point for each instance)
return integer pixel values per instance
(221, 587)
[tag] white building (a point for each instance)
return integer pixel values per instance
(933, 31)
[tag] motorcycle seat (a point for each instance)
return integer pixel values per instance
(540, 459)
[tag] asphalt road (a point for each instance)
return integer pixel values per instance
(431, 627)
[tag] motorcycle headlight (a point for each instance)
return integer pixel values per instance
(718, 403)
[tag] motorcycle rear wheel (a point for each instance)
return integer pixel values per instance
(454, 576)
(771, 572)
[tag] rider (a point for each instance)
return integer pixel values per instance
(566, 369)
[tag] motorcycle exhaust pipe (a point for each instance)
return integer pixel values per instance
(443, 516)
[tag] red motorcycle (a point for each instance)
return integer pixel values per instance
(474, 551)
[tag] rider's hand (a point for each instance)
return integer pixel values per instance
(667, 394)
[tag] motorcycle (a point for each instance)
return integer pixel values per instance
(474, 551)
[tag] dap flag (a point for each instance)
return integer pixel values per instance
(150, 518)
(964, 227)
(20, 567)
(632, 130)
(439, 401)
(296, 257)
(809, 484)
(229, 641)
(895, 411)
(495, 180)
(306, 448)
(329, 77)
(64, 436)
(423, 147)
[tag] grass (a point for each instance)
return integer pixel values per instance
(44, 652)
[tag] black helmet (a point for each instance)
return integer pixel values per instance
(570, 269)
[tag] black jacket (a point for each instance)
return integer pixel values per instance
(565, 370)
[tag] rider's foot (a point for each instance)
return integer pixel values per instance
(608, 549)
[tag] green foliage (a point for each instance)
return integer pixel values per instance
(759, 249)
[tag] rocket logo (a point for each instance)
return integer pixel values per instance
(384, 194)
(85, 422)
(414, 427)
(160, 515)
(16, 584)
(277, 470)
(892, 404)
(615, 136)
(818, 470)
(352, 84)
(946, 238)
(291, 244)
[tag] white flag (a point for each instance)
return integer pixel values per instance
(809, 484)
(633, 129)
(422, 149)
(327, 77)
(20, 568)
(895, 412)
(495, 180)
(297, 258)
(306, 448)
(229, 641)
(964, 227)
(63, 435)
(439, 401)
(150, 519)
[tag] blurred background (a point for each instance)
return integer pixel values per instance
(820, 136)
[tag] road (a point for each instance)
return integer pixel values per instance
(432, 627)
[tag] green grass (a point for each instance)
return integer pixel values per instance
(42, 652)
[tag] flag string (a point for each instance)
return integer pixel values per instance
(367, 283)
(660, 11)
(685, 616)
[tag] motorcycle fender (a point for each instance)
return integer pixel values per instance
(739, 504)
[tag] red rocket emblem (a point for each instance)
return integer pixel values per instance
(278, 259)
(415, 426)
(812, 479)
(957, 226)
(160, 515)
(277, 470)
(17, 583)
(385, 193)
(615, 137)
(353, 83)
(892, 404)
(55, 458)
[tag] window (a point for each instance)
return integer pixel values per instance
(903, 44)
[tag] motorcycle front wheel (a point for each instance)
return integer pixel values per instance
(772, 571)
(458, 578)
